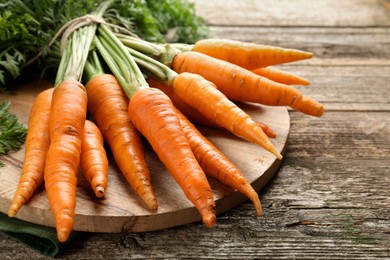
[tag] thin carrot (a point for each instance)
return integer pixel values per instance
(93, 158)
(36, 147)
(66, 124)
(281, 76)
(215, 163)
(248, 55)
(108, 105)
(215, 106)
(154, 116)
(239, 84)
(191, 112)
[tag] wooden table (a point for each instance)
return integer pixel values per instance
(331, 196)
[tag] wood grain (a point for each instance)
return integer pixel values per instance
(330, 197)
(120, 206)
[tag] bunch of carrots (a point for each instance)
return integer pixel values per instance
(131, 87)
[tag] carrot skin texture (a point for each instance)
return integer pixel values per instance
(154, 116)
(108, 105)
(215, 106)
(215, 163)
(249, 55)
(66, 124)
(192, 113)
(281, 76)
(239, 84)
(36, 147)
(93, 159)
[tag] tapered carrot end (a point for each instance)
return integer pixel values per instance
(12, 212)
(308, 106)
(209, 219)
(152, 204)
(63, 235)
(99, 191)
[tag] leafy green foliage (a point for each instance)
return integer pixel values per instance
(12, 132)
(27, 26)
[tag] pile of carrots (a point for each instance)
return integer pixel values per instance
(129, 92)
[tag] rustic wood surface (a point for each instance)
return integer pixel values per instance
(331, 197)
(124, 210)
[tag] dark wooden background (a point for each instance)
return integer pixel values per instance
(331, 196)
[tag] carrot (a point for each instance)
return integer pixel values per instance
(108, 104)
(215, 106)
(248, 55)
(93, 158)
(36, 146)
(66, 124)
(281, 76)
(192, 113)
(215, 163)
(153, 114)
(239, 84)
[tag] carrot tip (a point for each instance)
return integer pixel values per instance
(63, 236)
(12, 213)
(152, 204)
(99, 191)
(210, 220)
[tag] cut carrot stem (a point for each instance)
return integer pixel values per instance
(108, 105)
(215, 163)
(93, 158)
(66, 124)
(36, 147)
(239, 84)
(154, 116)
(281, 76)
(248, 55)
(215, 106)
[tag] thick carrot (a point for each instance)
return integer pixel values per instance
(191, 113)
(215, 106)
(281, 76)
(215, 163)
(249, 55)
(108, 105)
(36, 147)
(66, 124)
(154, 116)
(239, 84)
(93, 158)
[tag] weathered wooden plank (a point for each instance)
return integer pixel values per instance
(335, 13)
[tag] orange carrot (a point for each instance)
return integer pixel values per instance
(215, 106)
(281, 76)
(93, 158)
(215, 163)
(36, 146)
(239, 84)
(248, 55)
(66, 124)
(108, 105)
(192, 113)
(154, 116)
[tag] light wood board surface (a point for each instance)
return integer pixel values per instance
(121, 209)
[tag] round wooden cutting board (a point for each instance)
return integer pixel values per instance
(121, 210)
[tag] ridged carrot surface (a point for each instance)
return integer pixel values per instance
(239, 84)
(36, 147)
(216, 107)
(249, 55)
(281, 76)
(66, 124)
(154, 116)
(108, 105)
(93, 160)
(215, 163)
